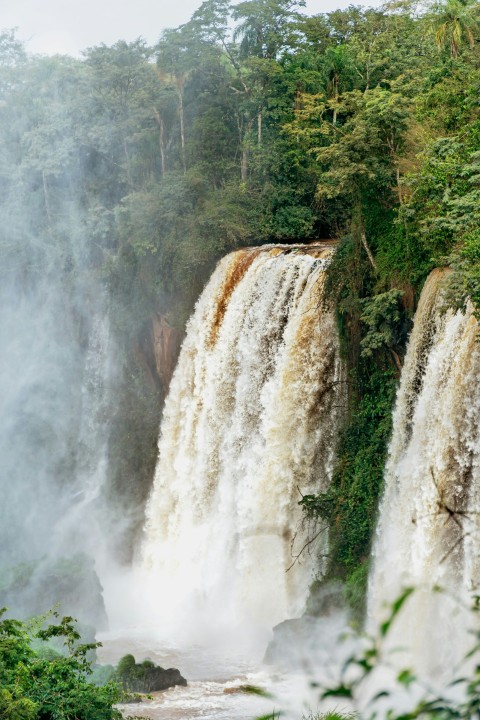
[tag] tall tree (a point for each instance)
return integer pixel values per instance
(454, 21)
(175, 61)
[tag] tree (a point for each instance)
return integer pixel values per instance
(264, 26)
(49, 686)
(175, 63)
(337, 65)
(455, 20)
(120, 122)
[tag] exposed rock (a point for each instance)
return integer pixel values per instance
(312, 639)
(245, 690)
(166, 346)
(159, 679)
(156, 351)
(307, 643)
(291, 641)
(146, 677)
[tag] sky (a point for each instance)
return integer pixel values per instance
(69, 26)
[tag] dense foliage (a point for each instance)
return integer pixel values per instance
(137, 167)
(39, 683)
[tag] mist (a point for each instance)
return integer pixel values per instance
(58, 362)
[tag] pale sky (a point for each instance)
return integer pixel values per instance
(68, 26)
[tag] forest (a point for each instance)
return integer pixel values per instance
(127, 174)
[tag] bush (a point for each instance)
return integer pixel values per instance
(38, 685)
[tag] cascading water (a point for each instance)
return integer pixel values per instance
(249, 425)
(429, 522)
(80, 525)
(55, 380)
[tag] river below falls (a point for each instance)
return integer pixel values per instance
(215, 679)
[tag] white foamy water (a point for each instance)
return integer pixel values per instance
(215, 680)
(249, 426)
(428, 529)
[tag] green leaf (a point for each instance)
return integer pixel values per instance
(396, 607)
(406, 677)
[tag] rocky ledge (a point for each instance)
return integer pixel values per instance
(146, 677)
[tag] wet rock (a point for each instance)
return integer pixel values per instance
(146, 677)
(166, 344)
(309, 643)
(156, 351)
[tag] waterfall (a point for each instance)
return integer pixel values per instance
(249, 426)
(84, 516)
(428, 527)
(56, 374)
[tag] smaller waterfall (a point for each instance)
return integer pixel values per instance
(429, 524)
(84, 517)
(250, 424)
(56, 375)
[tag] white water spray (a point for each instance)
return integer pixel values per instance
(83, 522)
(429, 523)
(250, 424)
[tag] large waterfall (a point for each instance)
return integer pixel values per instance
(249, 427)
(429, 523)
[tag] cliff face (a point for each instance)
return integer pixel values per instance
(156, 352)
(166, 346)
(69, 584)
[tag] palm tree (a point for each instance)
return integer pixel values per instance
(337, 68)
(455, 20)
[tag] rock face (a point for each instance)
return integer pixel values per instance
(308, 643)
(166, 346)
(159, 679)
(312, 639)
(68, 583)
(146, 677)
(156, 351)
(293, 640)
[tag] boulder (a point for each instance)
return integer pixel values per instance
(311, 640)
(146, 677)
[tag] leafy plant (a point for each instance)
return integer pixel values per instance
(426, 702)
(41, 686)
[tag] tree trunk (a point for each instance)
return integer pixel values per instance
(335, 96)
(399, 186)
(161, 138)
(244, 165)
(367, 250)
(358, 230)
(182, 129)
(259, 121)
(127, 158)
(245, 151)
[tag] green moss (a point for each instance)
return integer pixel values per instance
(355, 591)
